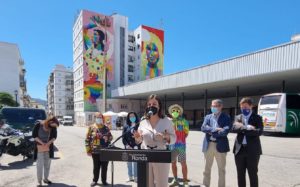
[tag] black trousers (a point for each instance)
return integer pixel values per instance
(245, 161)
(97, 166)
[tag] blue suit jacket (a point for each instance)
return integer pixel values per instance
(221, 136)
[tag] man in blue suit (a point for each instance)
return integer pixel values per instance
(215, 144)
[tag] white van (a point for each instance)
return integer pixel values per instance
(67, 120)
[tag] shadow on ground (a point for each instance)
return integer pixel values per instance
(18, 164)
(181, 182)
(60, 185)
(281, 135)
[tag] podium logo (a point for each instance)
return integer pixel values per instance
(125, 156)
(139, 157)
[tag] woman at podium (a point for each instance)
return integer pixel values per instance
(156, 132)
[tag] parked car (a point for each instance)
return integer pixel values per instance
(67, 120)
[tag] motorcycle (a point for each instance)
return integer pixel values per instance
(17, 143)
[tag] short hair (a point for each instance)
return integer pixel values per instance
(246, 100)
(219, 101)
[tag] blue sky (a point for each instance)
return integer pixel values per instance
(196, 32)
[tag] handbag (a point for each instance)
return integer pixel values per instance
(42, 148)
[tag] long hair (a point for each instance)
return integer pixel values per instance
(50, 120)
(101, 39)
(160, 113)
(128, 118)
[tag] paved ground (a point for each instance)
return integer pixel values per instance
(279, 166)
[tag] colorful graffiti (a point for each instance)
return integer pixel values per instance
(98, 53)
(152, 52)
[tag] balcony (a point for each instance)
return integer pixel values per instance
(23, 84)
(131, 58)
(21, 62)
(131, 39)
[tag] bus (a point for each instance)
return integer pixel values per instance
(280, 112)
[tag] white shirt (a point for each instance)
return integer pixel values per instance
(214, 123)
(163, 125)
(246, 120)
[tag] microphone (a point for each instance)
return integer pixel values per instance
(149, 114)
(130, 130)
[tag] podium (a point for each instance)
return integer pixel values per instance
(141, 156)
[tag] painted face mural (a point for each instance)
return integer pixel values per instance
(98, 54)
(152, 52)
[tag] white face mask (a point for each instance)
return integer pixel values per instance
(99, 121)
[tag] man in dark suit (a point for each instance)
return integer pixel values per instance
(247, 148)
(215, 144)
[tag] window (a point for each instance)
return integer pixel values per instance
(131, 48)
(293, 102)
(130, 68)
(130, 78)
(138, 36)
(90, 117)
(131, 39)
(122, 55)
(131, 58)
(267, 100)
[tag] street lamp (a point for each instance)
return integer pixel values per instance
(16, 94)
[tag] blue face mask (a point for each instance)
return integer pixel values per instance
(214, 110)
(132, 119)
(246, 111)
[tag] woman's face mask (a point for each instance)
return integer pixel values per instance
(153, 109)
(132, 119)
(99, 121)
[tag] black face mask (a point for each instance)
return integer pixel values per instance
(153, 109)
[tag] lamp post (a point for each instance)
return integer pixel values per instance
(16, 94)
(104, 97)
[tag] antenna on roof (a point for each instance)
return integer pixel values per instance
(161, 24)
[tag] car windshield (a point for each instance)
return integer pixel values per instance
(19, 118)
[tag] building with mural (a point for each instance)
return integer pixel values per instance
(149, 53)
(105, 52)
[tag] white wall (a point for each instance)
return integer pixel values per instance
(138, 57)
(10, 69)
(78, 63)
(119, 21)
